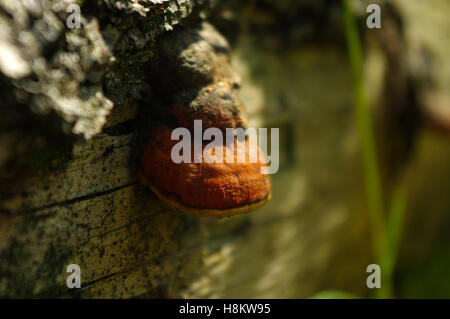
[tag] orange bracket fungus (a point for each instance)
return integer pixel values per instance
(221, 181)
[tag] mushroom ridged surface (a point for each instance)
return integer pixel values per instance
(209, 189)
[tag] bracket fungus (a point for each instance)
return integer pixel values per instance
(207, 189)
(213, 183)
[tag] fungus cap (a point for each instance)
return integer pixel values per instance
(208, 189)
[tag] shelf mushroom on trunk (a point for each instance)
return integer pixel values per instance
(227, 179)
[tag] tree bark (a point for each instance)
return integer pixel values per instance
(71, 132)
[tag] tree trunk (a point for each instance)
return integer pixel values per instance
(74, 102)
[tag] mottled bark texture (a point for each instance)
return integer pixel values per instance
(75, 107)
